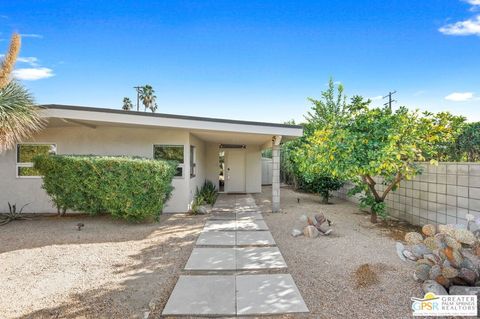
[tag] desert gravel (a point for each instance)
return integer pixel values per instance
(109, 269)
(326, 268)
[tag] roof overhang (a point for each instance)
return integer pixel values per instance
(202, 126)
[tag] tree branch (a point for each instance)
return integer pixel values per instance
(397, 179)
(371, 184)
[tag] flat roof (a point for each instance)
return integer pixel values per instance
(165, 115)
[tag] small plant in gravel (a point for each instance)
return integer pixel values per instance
(207, 194)
(12, 214)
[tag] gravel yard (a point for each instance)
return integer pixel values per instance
(112, 269)
(109, 269)
(354, 272)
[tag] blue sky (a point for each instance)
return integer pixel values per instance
(255, 60)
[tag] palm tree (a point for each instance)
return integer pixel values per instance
(19, 117)
(147, 96)
(127, 104)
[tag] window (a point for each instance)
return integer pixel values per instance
(170, 153)
(25, 155)
(193, 164)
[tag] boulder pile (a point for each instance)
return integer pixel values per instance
(445, 256)
(312, 227)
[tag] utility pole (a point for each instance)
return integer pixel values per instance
(138, 96)
(390, 101)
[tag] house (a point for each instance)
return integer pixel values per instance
(226, 152)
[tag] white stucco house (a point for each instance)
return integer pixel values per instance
(226, 152)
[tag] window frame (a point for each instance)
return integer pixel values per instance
(180, 165)
(29, 164)
(193, 161)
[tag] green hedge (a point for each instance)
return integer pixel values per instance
(127, 188)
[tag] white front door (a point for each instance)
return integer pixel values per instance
(235, 170)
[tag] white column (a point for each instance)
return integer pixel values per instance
(276, 173)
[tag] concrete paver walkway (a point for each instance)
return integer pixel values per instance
(235, 239)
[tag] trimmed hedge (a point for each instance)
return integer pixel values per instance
(127, 188)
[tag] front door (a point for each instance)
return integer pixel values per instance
(235, 170)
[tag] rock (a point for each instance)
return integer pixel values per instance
(296, 232)
(146, 314)
(430, 243)
(452, 242)
(433, 258)
(429, 230)
(319, 219)
(468, 275)
(413, 238)
(464, 236)
(310, 231)
(202, 210)
(447, 229)
(464, 290)
(434, 272)
(440, 240)
(419, 250)
(453, 256)
(467, 263)
(152, 305)
(324, 229)
(449, 272)
(421, 272)
(433, 286)
(409, 255)
(425, 261)
(445, 282)
(399, 247)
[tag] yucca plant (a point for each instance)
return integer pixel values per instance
(19, 117)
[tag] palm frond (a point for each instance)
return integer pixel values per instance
(19, 117)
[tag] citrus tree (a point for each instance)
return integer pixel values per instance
(357, 143)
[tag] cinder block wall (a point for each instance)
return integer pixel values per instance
(442, 194)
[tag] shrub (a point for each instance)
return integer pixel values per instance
(206, 195)
(127, 188)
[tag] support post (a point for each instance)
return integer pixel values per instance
(276, 173)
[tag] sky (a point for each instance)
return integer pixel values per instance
(250, 60)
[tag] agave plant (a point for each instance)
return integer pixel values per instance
(13, 214)
(19, 117)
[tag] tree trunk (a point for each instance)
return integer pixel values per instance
(373, 216)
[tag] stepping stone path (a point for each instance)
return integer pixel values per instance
(235, 241)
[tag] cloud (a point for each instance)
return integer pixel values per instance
(31, 35)
(32, 74)
(473, 2)
(376, 98)
(466, 27)
(459, 96)
(31, 60)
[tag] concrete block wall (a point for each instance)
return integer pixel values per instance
(442, 194)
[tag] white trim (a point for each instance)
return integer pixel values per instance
(198, 124)
(29, 164)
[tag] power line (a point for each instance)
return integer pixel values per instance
(390, 100)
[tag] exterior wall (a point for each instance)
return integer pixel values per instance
(442, 194)
(103, 140)
(253, 166)
(200, 153)
(267, 166)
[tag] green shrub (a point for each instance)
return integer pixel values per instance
(209, 192)
(127, 188)
(206, 195)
